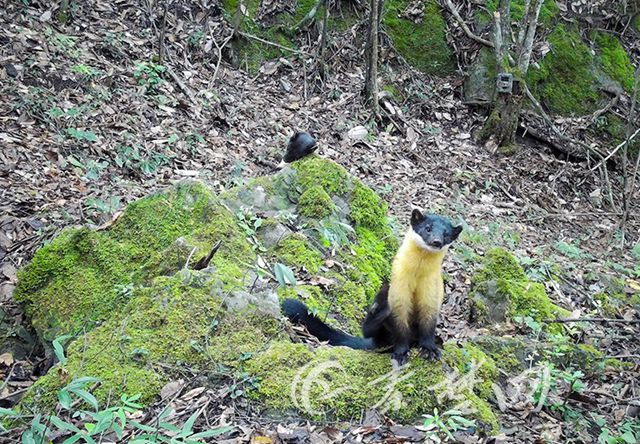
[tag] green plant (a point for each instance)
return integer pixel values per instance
(140, 161)
(438, 425)
(85, 70)
(81, 135)
(570, 250)
(91, 169)
(149, 74)
(108, 206)
(250, 223)
(333, 232)
(284, 275)
(628, 432)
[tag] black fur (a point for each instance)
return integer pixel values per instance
(298, 313)
(436, 231)
(299, 146)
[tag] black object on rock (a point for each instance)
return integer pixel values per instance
(300, 145)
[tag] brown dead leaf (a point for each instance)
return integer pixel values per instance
(192, 393)
(261, 440)
(171, 388)
(6, 359)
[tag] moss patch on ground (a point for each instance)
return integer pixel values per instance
(422, 44)
(277, 27)
(548, 12)
(565, 81)
(501, 291)
(614, 60)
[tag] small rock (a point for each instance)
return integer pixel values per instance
(357, 133)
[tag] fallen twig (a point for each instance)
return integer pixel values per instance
(615, 150)
(568, 320)
(267, 42)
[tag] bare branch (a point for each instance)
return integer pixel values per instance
(616, 149)
(464, 26)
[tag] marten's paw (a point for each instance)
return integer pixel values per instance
(430, 351)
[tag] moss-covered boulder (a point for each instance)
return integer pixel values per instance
(137, 312)
(501, 291)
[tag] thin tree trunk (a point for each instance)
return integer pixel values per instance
(371, 79)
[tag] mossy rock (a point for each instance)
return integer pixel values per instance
(144, 316)
(278, 25)
(501, 291)
(614, 60)
(135, 309)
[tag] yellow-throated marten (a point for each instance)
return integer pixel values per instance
(405, 311)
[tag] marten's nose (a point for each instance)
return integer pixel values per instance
(436, 243)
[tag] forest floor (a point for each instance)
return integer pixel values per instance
(88, 124)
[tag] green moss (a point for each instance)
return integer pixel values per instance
(469, 358)
(278, 27)
(501, 285)
(316, 203)
(349, 302)
(76, 282)
(565, 81)
(160, 326)
(341, 383)
(242, 336)
(153, 223)
(548, 12)
(614, 60)
(499, 264)
(509, 354)
(296, 251)
(315, 171)
(71, 283)
(367, 209)
(423, 44)
(314, 298)
(370, 260)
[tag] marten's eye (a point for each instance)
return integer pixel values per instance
(427, 228)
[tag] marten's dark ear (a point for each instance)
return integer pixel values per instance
(416, 216)
(456, 231)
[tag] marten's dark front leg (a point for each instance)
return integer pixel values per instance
(427, 338)
(377, 315)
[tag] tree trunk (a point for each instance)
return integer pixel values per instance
(511, 57)
(371, 79)
(503, 122)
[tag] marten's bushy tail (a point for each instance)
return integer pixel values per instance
(297, 312)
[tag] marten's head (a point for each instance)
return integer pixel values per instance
(431, 232)
(299, 146)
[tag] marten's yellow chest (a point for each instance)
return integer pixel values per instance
(416, 288)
